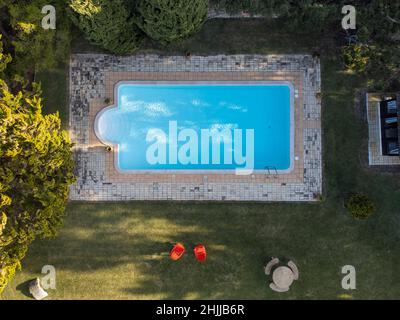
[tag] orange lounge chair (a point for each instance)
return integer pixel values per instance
(177, 251)
(200, 253)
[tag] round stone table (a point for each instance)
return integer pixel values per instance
(283, 277)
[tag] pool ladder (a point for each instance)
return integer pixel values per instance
(271, 171)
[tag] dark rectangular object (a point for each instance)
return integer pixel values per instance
(398, 116)
(389, 110)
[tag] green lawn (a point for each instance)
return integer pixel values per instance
(55, 97)
(119, 250)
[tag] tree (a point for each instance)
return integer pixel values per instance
(5, 58)
(106, 23)
(33, 47)
(377, 52)
(379, 21)
(170, 20)
(36, 169)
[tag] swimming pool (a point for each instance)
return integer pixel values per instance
(214, 127)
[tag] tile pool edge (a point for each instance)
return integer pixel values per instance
(191, 82)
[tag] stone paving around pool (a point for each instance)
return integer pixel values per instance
(92, 81)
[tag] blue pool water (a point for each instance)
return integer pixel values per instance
(165, 126)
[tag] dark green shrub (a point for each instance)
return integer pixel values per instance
(170, 20)
(107, 23)
(356, 57)
(360, 206)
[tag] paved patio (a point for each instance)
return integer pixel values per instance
(375, 156)
(92, 80)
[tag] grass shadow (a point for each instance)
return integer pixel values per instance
(23, 288)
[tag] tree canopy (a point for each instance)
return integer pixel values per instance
(170, 20)
(106, 23)
(36, 169)
(33, 47)
(376, 51)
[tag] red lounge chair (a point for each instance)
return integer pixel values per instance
(177, 251)
(200, 253)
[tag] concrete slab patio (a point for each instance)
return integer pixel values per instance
(92, 81)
